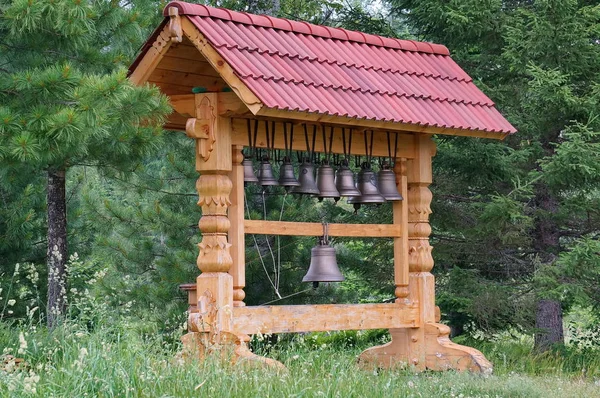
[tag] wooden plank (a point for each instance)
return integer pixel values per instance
(169, 77)
(323, 317)
(380, 146)
(199, 67)
(262, 227)
(185, 51)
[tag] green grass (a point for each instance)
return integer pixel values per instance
(130, 358)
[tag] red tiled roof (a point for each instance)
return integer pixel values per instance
(299, 66)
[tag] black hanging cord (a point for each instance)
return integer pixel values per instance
(314, 141)
(389, 146)
(306, 138)
(250, 147)
(273, 137)
(396, 148)
(330, 143)
(285, 142)
(369, 151)
(268, 138)
(255, 137)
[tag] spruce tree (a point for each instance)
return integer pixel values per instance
(65, 101)
(514, 211)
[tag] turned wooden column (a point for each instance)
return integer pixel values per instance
(236, 232)
(400, 210)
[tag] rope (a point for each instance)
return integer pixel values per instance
(269, 246)
(278, 274)
(285, 297)
(258, 251)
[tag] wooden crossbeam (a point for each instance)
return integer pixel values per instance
(261, 227)
(322, 317)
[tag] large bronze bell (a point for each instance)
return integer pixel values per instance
(265, 173)
(323, 264)
(326, 182)
(386, 183)
(369, 194)
(249, 175)
(287, 178)
(306, 177)
(344, 181)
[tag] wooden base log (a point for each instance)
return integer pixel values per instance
(425, 348)
(230, 347)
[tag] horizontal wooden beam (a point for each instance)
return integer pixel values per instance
(373, 124)
(261, 227)
(322, 318)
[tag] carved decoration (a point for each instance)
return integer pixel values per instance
(175, 30)
(419, 252)
(202, 129)
(214, 192)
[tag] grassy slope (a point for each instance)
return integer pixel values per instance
(125, 359)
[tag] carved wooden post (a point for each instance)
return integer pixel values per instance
(213, 160)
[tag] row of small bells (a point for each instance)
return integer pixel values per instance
(369, 189)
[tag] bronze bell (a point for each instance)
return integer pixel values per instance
(323, 264)
(306, 177)
(326, 182)
(249, 175)
(369, 194)
(386, 183)
(344, 181)
(287, 178)
(265, 173)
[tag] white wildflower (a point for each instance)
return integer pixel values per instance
(22, 343)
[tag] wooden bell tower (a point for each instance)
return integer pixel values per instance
(221, 68)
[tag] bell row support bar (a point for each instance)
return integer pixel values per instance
(405, 145)
(261, 227)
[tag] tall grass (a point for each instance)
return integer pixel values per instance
(122, 359)
(103, 350)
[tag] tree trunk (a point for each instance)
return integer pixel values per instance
(57, 246)
(549, 325)
(548, 319)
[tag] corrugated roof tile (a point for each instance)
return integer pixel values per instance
(299, 66)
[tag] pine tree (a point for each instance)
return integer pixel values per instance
(66, 102)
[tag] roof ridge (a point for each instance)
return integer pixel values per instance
(370, 91)
(305, 28)
(353, 65)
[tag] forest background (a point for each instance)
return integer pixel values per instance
(516, 223)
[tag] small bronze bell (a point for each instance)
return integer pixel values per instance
(344, 181)
(323, 264)
(265, 173)
(306, 177)
(249, 175)
(326, 182)
(369, 194)
(386, 183)
(287, 178)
